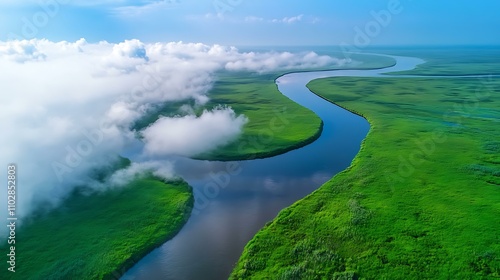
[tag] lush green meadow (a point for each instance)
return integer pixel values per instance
(420, 201)
(101, 235)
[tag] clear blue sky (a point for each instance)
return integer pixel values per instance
(253, 22)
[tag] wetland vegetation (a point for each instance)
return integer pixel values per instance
(421, 199)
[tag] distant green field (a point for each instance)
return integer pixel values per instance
(99, 236)
(452, 60)
(420, 201)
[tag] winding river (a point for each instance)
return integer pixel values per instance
(251, 193)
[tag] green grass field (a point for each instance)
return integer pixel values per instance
(420, 201)
(100, 236)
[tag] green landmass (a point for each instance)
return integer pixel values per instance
(421, 200)
(100, 235)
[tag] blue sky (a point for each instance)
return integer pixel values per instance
(254, 22)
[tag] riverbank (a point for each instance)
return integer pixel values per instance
(101, 235)
(406, 206)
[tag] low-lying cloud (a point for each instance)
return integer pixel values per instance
(191, 135)
(67, 108)
(21, 51)
(161, 169)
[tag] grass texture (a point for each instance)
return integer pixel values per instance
(420, 201)
(101, 235)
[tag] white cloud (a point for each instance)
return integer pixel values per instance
(21, 51)
(270, 61)
(130, 48)
(161, 169)
(122, 113)
(191, 135)
(288, 20)
(252, 19)
(127, 56)
(68, 106)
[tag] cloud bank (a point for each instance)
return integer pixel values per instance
(68, 107)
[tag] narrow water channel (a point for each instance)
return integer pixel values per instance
(253, 192)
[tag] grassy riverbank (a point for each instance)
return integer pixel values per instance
(420, 201)
(100, 236)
